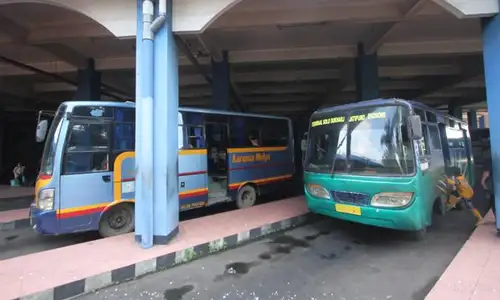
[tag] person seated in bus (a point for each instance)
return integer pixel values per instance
(253, 141)
(460, 190)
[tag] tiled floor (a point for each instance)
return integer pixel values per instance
(28, 274)
(13, 215)
(475, 272)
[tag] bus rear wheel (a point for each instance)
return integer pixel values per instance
(246, 197)
(117, 220)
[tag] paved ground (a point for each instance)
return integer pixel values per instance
(326, 260)
(25, 241)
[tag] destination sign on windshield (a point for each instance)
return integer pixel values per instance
(353, 118)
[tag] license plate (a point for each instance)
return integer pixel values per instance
(348, 209)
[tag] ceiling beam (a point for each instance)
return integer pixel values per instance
(14, 31)
(16, 88)
(451, 47)
(20, 35)
(314, 15)
(471, 68)
(385, 30)
(66, 54)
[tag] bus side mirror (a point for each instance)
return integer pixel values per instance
(415, 125)
(41, 130)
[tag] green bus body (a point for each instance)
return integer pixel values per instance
(397, 188)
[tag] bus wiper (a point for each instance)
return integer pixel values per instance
(335, 155)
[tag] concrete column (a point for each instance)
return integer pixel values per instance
(166, 152)
(491, 48)
(367, 81)
(221, 83)
(472, 119)
(482, 122)
(455, 111)
(157, 199)
(141, 222)
(89, 83)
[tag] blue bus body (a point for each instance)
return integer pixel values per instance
(88, 166)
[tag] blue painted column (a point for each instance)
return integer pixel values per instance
(157, 199)
(491, 48)
(455, 111)
(472, 119)
(482, 122)
(141, 221)
(221, 83)
(165, 133)
(89, 83)
(367, 81)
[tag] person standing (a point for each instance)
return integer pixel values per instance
(487, 185)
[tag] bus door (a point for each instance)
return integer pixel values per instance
(217, 143)
(86, 182)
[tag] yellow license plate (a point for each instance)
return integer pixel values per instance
(348, 209)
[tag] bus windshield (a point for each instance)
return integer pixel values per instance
(364, 141)
(49, 150)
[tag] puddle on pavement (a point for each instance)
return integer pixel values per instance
(265, 256)
(11, 237)
(177, 293)
(331, 256)
(347, 248)
(235, 270)
(317, 235)
(290, 241)
(283, 244)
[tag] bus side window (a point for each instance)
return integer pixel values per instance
(274, 133)
(87, 149)
(123, 140)
(424, 142)
(434, 136)
(195, 137)
(244, 132)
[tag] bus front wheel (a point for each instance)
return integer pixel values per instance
(117, 220)
(246, 197)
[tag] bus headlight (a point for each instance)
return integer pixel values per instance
(391, 199)
(318, 191)
(46, 199)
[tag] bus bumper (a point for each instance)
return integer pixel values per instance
(43, 222)
(400, 219)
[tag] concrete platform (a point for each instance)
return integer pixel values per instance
(70, 271)
(15, 197)
(14, 219)
(474, 273)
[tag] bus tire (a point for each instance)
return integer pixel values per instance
(119, 219)
(246, 197)
(439, 207)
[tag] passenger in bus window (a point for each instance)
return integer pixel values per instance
(253, 141)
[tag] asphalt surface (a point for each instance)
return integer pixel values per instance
(328, 259)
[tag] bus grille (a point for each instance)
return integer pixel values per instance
(350, 197)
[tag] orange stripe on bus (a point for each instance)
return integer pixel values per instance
(260, 181)
(256, 149)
